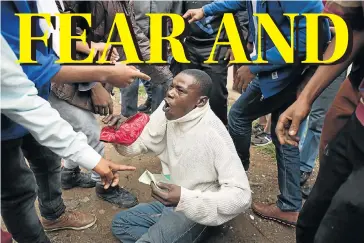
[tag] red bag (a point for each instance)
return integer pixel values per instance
(128, 132)
(6, 237)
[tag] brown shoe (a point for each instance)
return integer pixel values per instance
(70, 220)
(272, 212)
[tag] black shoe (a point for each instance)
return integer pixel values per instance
(306, 190)
(304, 177)
(257, 129)
(75, 178)
(116, 195)
(146, 107)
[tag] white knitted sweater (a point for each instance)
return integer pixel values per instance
(199, 155)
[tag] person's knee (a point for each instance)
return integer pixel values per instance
(118, 224)
(235, 121)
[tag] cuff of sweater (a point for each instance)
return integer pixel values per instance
(186, 199)
(88, 158)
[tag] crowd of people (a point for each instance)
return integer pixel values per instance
(307, 111)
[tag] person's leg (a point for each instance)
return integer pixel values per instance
(262, 121)
(148, 88)
(289, 201)
(18, 193)
(267, 128)
(288, 162)
(343, 221)
(146, 107)
(129, 99)
(334, 171)
(244, 111)
(339, 113)
(218, 73)
(310, 146)
(46, 167)
(85, 122)
(129, 225)
(302, 132)
(261, 135)
(174, 227)
(159, 93)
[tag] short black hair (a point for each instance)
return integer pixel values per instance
(202, 79)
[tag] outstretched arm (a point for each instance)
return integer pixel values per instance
(291, 119)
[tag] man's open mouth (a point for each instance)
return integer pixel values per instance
(166, 106)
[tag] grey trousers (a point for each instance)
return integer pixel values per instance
(82, 121)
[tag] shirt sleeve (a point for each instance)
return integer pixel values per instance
(220, 7)
(232, 198)
(152, 140)
(21, 103)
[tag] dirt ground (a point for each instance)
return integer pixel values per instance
(246, 228)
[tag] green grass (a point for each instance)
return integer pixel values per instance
(142, 92)
(268, 150)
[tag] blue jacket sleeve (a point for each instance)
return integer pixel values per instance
(40, 74)
(272, 55)
(221, 6)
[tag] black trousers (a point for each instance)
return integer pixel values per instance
(218, 73)
(334, 211)
(20, 185)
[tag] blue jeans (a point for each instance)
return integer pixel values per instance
(244, 111)
(315, 122)
(302, 133)
(153, 222)
(129, 97)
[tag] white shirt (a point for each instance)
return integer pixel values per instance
(21, 103)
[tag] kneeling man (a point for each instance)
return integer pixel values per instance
(209, 187)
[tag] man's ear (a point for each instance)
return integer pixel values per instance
(202, 101)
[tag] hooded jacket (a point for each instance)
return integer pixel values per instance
(104, 14)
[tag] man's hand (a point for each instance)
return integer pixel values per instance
(229, 56)
(108, 172)
(169, 195)
(243, 78)
(114, 120)
(100, 47)
(194, 15)
(121, 75)
(101, 100)
(290, 120)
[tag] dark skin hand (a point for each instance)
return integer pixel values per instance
(243, 77)
(229, 56)
(168, 194)
(114, 121)
(101, 100)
